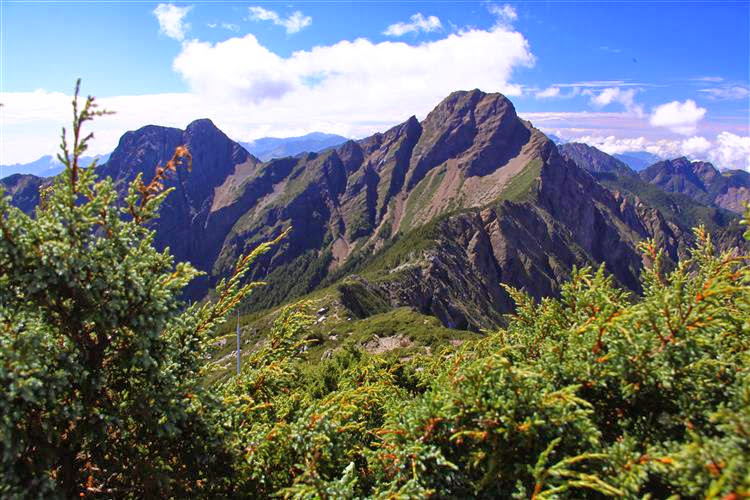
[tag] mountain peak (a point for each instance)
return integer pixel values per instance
(267, 148)
(201, 124)
(681, 165)
(464, 94)
(481, 131)
(203, 127)
(462, 101)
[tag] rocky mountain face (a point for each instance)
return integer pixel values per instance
(702, 182)
(675, 212)
(23, 190)
(592, 159)
(436, 214)
(433, 214)
(192, 223)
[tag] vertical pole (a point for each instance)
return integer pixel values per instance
(238, 341)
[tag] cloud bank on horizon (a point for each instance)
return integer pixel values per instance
(360, 86)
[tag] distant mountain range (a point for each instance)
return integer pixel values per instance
(269, 148)
(702, 182)
(635, 160)
(434, 215)
(46, 166)
(638, 160)
(698, 180)
(264, 149)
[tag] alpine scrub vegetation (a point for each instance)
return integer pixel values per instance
(595, 393)
(100, 361)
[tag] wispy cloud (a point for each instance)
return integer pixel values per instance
(707, 79)
(547, 93)
(727, 92)
(172, 20)
(504, 14)
(226, 26)
(416, 23)
(555, 92)
(612, 50)
(601, 92)
(603, 83)
(293, 23)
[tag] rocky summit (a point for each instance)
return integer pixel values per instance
(435, 214)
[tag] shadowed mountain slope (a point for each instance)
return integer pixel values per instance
(23, 190)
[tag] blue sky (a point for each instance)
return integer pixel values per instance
(668, 77)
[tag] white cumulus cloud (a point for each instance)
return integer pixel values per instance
(732, 151)
(416, 23)
(172, 20)
(612, 145)
(292, 24)
(679, 117)
(352, 88)
(355, 73)
(695, 145)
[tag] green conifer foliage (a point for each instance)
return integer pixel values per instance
(99, 361)
(595, 393)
